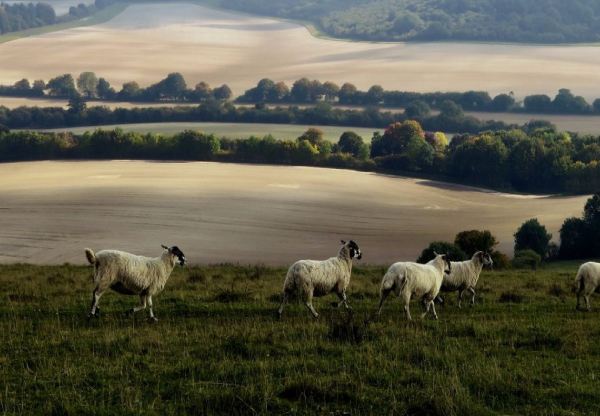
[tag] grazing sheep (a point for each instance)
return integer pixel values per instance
(587, 281)
(129, 274)
(421, 280)
(465, 275)
(309, 278)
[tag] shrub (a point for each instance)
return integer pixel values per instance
(526, 259)
(474, 240)
(501, 260)
(534, 236)
(442, 247)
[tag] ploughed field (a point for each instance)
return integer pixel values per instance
(219, 212)
(147, 41)
(218, 349)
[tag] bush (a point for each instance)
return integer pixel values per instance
(442, 247)
(532, 236)
(526, 259)
(474, 240)
(501, 260)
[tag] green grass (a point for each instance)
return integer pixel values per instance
(232, 130)
(101, 16)
(218, 349)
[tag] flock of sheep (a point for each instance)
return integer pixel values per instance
(130, 274)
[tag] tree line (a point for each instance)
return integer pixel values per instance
(542, 160)
(451, 117)
(532, 241)
(173, 88)
(540, 21)
(88, 86)
(418, 104)
(22, 16)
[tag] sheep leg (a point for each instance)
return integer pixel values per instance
(427, 305)
(435, 316)
(309, 305)
(382, 298)
(142, 306)
(284, 300)
(406, 298)
(460, 295)
(97, 294)
(586, 296)
(343, 300)
(152, 317)
(472, 295)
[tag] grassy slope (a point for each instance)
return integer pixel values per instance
(218, 349)
(102, 16)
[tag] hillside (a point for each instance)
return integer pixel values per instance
(539, 21)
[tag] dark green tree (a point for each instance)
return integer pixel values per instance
(533, 236)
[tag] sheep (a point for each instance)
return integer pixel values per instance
(130, 274)
(309, 278)
(587, 281)
(422, 280)
(465, 275)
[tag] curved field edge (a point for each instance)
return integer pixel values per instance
(218, 349)
(318, 32)
(101, 16)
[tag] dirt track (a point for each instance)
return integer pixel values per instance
(147, 41)
(217, 212)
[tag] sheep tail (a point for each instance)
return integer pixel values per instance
(91, 257)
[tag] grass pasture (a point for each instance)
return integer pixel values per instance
(218, 349)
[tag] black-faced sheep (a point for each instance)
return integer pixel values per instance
(309, 278)
(130, 274)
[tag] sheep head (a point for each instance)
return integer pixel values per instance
(485, 259)
(175, 251)
(444, 257)
(353, 249)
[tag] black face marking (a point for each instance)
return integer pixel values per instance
(354, 250)
(177, 252)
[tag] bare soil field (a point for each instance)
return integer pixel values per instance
(218, 212)
(232, 130)
(147, 41)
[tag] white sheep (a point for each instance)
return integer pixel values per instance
(130, 274)
(465, 275)
(587, 281)
(308, 278)
(421, 280)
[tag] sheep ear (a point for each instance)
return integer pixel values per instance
(343, 242)
(165, 247)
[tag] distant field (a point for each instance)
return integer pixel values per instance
(219, 46)
(251, 213)
(218, 349)
(14, 102)
(232, 130)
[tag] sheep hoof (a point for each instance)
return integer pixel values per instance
(153, 319)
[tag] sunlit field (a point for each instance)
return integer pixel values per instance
(218, 349)
(224, 47)
(220, 212)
